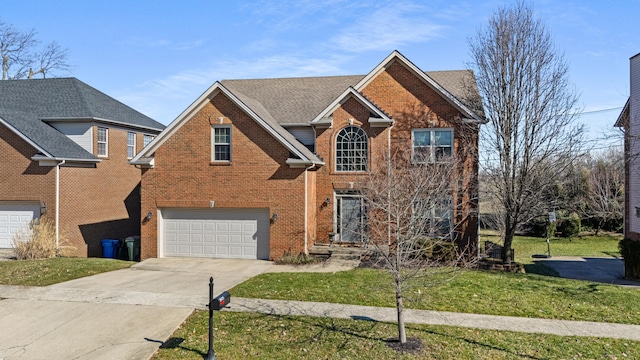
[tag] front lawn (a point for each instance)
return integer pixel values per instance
(56, 270)
(258, 336)
(472, 291)
(603, 245)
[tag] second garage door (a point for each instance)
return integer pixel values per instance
(13, 217)
(216, 233)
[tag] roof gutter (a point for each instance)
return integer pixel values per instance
(101, 120)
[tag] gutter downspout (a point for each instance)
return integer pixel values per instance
(306, 210)
(58, 203)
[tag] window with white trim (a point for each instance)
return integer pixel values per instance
(434, 217)
(103, 141)
(432, 145)
(131, 144)
(352, 150)
(147, 139)
(221, 136)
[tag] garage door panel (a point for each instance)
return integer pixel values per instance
(15, 216)
(220, 233)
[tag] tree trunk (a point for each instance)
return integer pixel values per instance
(402, 335)
(508, 241)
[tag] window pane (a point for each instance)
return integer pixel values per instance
(102, 149)
(222, 136)
(421, 138)
(351, 149)
(131, 139)
(147, 139)
(443, 138)
(443, 152)
(422, 154)
(223, 153)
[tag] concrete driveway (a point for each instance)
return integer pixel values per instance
(124, 314)
(603, 270)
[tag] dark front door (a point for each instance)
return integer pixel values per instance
(350, 222)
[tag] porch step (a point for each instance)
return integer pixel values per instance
(338, 252)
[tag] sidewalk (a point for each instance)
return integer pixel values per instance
(302, 308)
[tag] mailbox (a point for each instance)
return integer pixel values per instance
(220, 301)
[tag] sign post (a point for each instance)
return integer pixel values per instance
(552, 219)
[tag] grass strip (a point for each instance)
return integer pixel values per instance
(52, 271)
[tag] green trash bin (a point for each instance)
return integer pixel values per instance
(133, 245)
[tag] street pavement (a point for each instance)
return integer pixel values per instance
(129, 313)
(597, 269)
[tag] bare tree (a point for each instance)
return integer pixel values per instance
(530, 137)
(21, 57)
(606, 188)
(411, 209)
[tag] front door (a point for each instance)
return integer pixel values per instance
(350, 218)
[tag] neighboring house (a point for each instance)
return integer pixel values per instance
(266, 167)
(65, 148)
(629, 121)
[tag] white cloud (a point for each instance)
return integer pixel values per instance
(388, 28)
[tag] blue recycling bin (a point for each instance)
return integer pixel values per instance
(110, 248)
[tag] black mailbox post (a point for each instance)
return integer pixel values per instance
(217, 304)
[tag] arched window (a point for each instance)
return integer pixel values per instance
(351, 149)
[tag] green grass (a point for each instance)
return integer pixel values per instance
(472, 291)
(56, 270)
(603, 245)
(257, 336)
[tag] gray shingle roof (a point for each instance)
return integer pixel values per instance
(25, 103)
(299, 100)
(292, 100)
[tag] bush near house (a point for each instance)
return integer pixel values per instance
(630, 251)
(38, 241)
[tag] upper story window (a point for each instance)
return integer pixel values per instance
(432, 145)
(103, 141)
(131, 144)
(147, 139)
(351, 150)
(221, 143)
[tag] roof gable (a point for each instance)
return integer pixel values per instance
(251, 107)
(447, 77)
(347, 94)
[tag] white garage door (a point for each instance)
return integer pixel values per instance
(216, 233)
(14, 216)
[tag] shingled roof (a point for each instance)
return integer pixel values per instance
(27, 106)
(299, 100)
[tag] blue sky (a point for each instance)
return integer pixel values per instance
(159, 56)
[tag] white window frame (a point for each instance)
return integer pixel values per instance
(214, 143)
(147, 139)
(131, 148)
(432, 147)
(362, 155)
(104, 142)
(436, 211)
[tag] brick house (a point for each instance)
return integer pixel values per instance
(65, 149)
(260, 168)
(629, 121)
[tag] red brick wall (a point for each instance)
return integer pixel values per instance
(95, 203)
(22, 179)
(101, 203)
(413, 104)
(257, 177)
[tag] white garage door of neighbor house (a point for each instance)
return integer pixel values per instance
(14, 216)
(216, 233)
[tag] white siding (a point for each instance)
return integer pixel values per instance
(304, 134)
(634, 142)
(80, 133)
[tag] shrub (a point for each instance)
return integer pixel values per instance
(300, 259)
(570, 226)
(540, 227)
(630, 251)
(38, 241)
